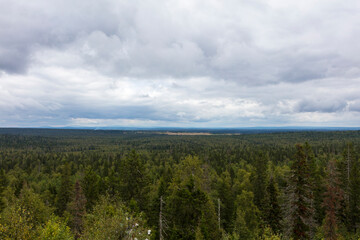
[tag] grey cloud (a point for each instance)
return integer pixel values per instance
(321, 105)
(205, 62)
(248, 43)
(355, 106)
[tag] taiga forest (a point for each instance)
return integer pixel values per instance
(113, 184)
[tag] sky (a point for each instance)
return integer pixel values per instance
(179, 63)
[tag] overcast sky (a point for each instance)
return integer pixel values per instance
(179, 63)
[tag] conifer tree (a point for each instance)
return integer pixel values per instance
(333, 195)
(299, 212)
(90, 185)
(273, 215)
(227, 202)
(64, 193)
(247, 220)
(133, 180)
(261, 164)
(354, 197)
(350, 181)
(3, 184)
(77, 209)
(185, 207)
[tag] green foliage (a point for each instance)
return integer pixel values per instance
(247, 217)
(109, 220)
(77, 210)
(134, 180)
(270, 235)
(90, 185)
(260, 180)
(34, 205)
(190, 173)
(227, 199)
(185, 207)
(65, 190)
(272, 213)
(299, 212)
(3, 184)
(55, 229)
(16, 223)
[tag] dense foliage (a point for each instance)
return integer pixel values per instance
(87, 184)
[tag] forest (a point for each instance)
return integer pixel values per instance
(114, 184)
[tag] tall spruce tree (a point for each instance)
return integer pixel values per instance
(64, 193)
(333, 196)
(90, 185)
(273, 215)
(3, 184)
(354, 197)
(77, 209)
(350, 180)
(227, 200)
(133, 180)
(299, 212)
(260, 179)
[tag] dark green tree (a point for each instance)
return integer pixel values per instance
(90, 185)
(227, 200)
(3, 184)
(349, 176)
(65, 190)
(189, 211)
(333, 196)
(77, 210)
(260, 180)
(273, 215)
(134, 180)
(185, 207)
(354, 197)
(299, 212)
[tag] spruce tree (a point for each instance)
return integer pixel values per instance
(227, 200)
(333, 196)
(3, 184)
(299, 212)
(273, 215)
(133, 179)
(354, 197)
(64, 193)
(77, 209)
(90, 185)
(349, 179)
(260, 179)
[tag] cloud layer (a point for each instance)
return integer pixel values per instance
(179, 63)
